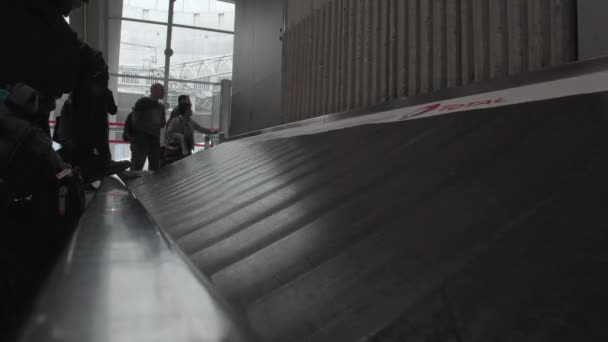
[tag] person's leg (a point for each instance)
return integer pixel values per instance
(154, 154)
(84, 133)
(103, 148)
(102, 144)
(139, 147)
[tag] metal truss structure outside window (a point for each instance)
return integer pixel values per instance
(187, 72)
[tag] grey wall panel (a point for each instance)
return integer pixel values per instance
(467, 42)
(359, 53)
(374, 13)
(333, 46)
(344, 56)
(351, 53)
(316, 62)
(592, 27)
(294, 80)
(367, 54)
(337, 92)
(439, 44)
(402, 44)
(326, 32)
(539, 40)
(384, 50)
(498, 39)
(517, 14)
(414, 47)
(359, 69)
(393, 70)
(285, 80)
(453, 44)
(481, 39)
(257, 65)
(300, 70)
(563, 30)
(307, 67)
(571, 49)
(426, 46)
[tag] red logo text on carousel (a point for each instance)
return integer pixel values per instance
(439, 108)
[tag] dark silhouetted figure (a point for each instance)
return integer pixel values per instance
(142, 129)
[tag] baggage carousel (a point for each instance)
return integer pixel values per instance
(477, 214)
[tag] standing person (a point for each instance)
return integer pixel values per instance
(102, 140)
(143, 127)
(180, 131)
(82, 128)
(40, 61)
(39, 32)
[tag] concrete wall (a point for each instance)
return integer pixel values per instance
(256, 97)
(340, 55)
(592, 24)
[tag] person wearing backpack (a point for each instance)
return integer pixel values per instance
(179, 140)
(143, 128)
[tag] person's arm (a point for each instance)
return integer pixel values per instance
(112, 108)
(127, 134)
(163, 117)
(203, 130)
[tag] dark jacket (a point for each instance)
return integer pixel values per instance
(26, 153)
(39, 47)
(180, 131)
(148, 117)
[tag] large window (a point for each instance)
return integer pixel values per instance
(210, 14)
(202, 45)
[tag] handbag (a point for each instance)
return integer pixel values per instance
(173, 150)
